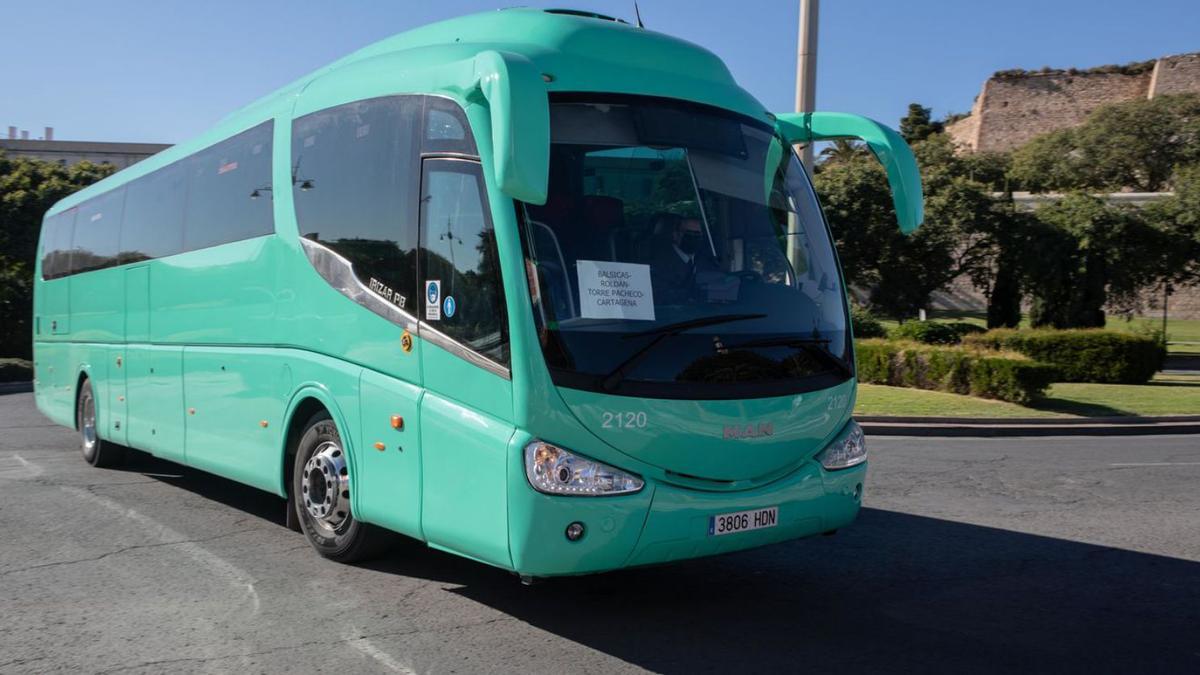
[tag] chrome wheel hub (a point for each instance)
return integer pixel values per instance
(87, 422)
(325, 486)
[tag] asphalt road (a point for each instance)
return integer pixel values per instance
(978, 555)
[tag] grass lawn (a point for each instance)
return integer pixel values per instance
(878, 399)
(1165, 395)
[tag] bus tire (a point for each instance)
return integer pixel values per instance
(321, 486)
(96, 451)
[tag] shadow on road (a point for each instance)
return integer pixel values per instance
(895, 592)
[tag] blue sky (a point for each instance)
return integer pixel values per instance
(136, 70)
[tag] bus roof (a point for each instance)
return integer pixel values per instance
(576, 51)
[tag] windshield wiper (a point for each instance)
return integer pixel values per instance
(613, 378)
(818, 346)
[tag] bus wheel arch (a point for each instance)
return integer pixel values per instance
(304, 407)
(96, 451)
(79, 380)
(316, 437)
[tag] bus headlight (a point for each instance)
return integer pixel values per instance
(850, 449)
(555, 471)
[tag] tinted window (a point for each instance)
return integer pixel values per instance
(97, 231)
(229, 190)
(354, 188)
(56, 245)
(153, 223)
(681, 253)
(458, 253)
(446, 128)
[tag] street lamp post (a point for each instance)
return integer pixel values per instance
(806, 96)
(806, 69)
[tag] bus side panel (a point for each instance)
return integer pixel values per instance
(117, 409)
(387, 485)
(154, 377)
(54, 386)
(137, 304)
(56, 306)
(234, 412)
(464, 495)
(219, 295)
(55, 381)
(97, 305)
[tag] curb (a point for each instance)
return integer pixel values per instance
(15, 387)
(1035, 426)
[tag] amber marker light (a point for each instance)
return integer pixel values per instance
(380, 446)
(397, 422)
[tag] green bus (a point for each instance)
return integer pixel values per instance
(539, 288)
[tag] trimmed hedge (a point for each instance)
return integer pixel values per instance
(1008, 377)
(1082, 355)
(15, 370)
(934, 332)
(864, 324)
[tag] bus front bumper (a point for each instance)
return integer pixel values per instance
(665, 522)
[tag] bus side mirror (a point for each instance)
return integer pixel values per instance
(887, 145)
(520, 115)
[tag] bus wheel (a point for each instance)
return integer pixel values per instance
(321, 485)
(97, 451)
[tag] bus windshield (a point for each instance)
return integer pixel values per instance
(681, 254)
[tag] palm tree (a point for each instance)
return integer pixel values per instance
(843, 150)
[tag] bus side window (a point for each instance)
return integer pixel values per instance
(354, 187)
(153, 223)
(446, 128)
(458, 250)
(229, 190)
(56, 245)
(97, 230)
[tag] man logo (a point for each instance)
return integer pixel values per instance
(737, 431)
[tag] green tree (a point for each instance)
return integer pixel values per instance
(1177, 221)
(917, 125)
(1135, 144)
(1090, 253)
(858, 204)
(843, 150)
(27, 189)
(903, 271)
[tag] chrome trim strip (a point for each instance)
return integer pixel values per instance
(339, 273)
(434, 336)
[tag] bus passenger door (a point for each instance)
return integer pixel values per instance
(466, 410)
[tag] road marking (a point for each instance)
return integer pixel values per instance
(28, 469)
(178, 541)
(385, 659)
(1158, 464)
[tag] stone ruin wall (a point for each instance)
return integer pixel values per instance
(1012, 109)
(1176, 75)
(1020, 109)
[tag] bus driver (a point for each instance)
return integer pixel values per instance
(677, 261)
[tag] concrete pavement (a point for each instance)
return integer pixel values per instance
(988, 555)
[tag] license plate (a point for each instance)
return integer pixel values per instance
(743, 521)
